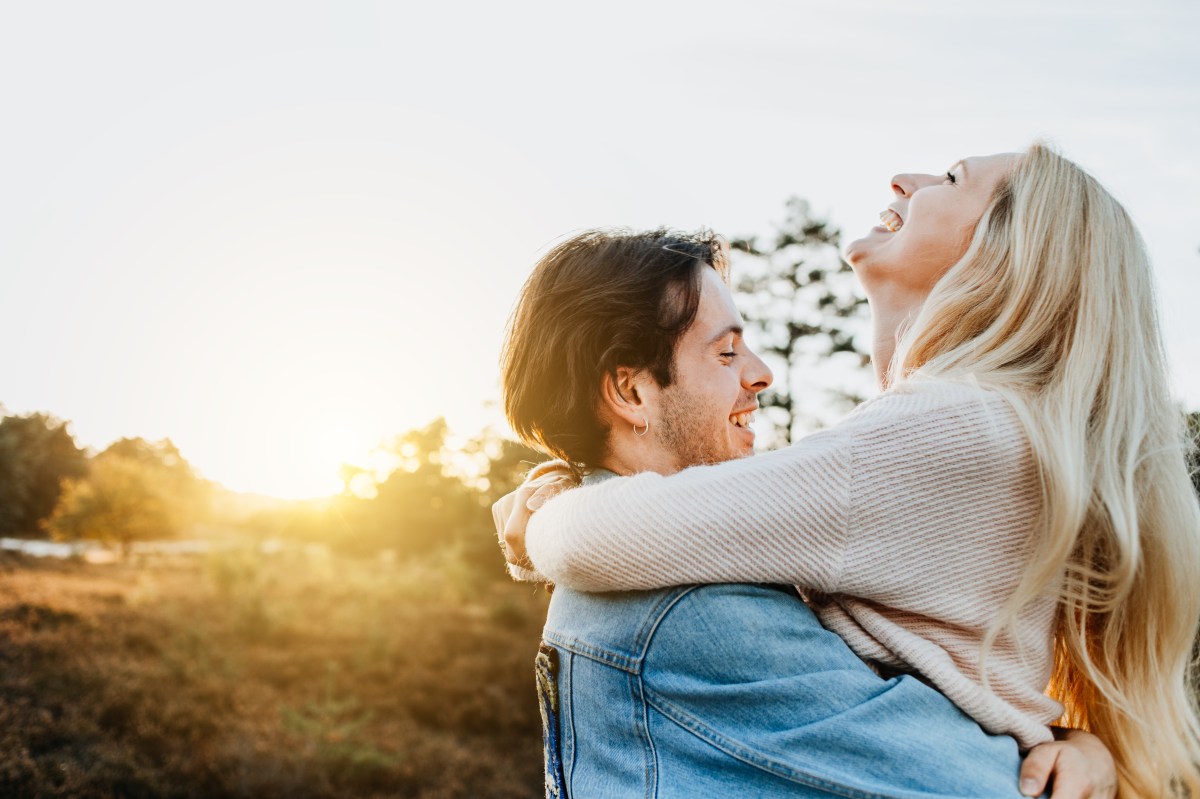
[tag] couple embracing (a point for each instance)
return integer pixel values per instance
(901, 605)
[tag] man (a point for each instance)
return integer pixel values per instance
(625, 354)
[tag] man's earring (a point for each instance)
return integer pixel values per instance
(645, 430)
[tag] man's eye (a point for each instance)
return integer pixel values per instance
(728, 354)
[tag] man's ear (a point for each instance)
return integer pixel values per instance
(625, 395)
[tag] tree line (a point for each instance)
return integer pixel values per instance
(137, 490)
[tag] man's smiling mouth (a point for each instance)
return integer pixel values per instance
(742, 419)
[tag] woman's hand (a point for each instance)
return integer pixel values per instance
(1080, 766)
(511, 512)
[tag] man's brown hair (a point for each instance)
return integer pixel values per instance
(598, 301)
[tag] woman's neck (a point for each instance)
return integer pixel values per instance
(892, 311)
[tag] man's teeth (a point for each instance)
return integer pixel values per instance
(742, 419)
(891, 220)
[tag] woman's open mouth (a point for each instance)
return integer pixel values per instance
(891, 220)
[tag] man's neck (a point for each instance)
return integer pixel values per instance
(626, 463)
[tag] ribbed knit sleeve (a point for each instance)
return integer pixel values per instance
(899, 503)
(732, 522)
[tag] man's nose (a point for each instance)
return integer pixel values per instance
(757, 375)
(906, 183)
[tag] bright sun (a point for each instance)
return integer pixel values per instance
(296, 460)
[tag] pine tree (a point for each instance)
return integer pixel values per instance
(805, 315)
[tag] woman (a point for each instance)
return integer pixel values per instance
(1013, 510)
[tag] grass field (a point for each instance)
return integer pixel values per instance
(241, 675)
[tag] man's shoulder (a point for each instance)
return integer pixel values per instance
(611, 627)
(618, 628)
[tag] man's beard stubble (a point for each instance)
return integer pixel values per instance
(686, 430)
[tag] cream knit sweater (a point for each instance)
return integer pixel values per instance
(907, 524)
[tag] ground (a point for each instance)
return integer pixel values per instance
(242, 675)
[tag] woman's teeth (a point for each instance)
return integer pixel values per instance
(742, 419)
(891, 220)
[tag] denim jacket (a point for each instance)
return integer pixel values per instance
(738, 691)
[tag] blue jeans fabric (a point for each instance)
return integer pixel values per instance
(738, 691)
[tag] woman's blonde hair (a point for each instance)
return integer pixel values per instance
(1053, 305)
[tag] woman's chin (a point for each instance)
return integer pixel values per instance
(876, 260)
(859, 252)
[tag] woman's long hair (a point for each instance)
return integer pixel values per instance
(1053, 305)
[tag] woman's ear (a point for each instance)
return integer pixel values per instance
(625, 395)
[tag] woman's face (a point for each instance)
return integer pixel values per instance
(929, 224)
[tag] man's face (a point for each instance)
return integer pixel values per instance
(704, 415)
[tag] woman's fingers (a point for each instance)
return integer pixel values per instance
(549, 489)
(510, 513)
(501, 509)
(514, 526)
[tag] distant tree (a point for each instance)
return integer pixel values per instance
(37, 453)
(118, 502)
(189, 494)
(162, 455)
(421, 505)
(430, 505)
(1194, 460)
(136, 490)
(805, 312)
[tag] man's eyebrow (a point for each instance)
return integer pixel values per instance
(734, 329)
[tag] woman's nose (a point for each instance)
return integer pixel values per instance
(906, 183)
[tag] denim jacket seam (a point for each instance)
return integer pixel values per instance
(650, 626)
(753, 757)
(649, 753)
(593, 652)
(567, 709)
(631, 663)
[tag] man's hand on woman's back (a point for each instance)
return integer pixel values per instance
(1079, 765)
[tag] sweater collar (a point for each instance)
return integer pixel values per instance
(597, 476)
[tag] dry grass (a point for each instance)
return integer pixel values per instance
(240, 676)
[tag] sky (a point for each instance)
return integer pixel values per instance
(278, 233)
